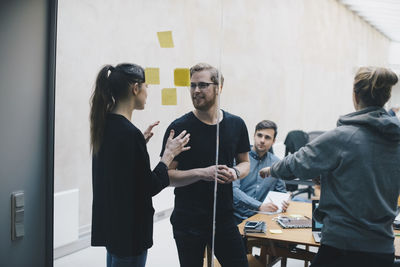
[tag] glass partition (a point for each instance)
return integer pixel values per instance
(289, 62)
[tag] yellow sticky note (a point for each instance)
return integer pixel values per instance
(181, 77)
(275, 231)
(152, 75)
(165, 39)
(168, 96)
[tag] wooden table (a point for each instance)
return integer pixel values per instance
(283, 245)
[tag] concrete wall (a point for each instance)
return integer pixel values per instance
(290, 61)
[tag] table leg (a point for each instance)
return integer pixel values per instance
(283, 262)
(270, 254)
(306, 262)
(263, 255)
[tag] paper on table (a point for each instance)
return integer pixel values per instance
(277, 198)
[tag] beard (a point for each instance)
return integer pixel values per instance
(201, 103)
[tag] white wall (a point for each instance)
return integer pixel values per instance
(394, 63)
(289, 61)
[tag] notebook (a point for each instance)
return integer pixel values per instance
(294, 222)
(277, 198)
(316, 226)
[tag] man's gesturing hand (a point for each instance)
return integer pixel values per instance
(265, 172)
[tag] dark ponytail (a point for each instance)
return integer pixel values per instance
(101, 102)
(112, 85)
(373, 85)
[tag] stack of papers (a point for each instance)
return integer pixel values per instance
(277, 198)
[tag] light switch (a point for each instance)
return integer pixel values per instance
(19, 200)
(17, 215)
(19, 230)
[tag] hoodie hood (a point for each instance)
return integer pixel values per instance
(375, 118)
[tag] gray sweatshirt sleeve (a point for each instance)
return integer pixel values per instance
(321, 155)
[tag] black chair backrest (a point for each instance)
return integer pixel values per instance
(314, 134)
(295, 140)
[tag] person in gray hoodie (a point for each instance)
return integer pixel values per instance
(359, 164)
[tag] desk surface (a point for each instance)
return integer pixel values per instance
(295, 236)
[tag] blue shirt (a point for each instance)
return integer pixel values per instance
(250, 192)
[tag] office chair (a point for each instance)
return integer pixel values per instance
(314, 134)
(293, 142)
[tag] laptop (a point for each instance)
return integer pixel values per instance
(316, 226)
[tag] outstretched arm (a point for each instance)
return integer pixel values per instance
(321, 155)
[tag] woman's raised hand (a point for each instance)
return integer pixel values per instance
(148, 133)
(175, 146)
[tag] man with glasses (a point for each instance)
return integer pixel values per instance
(193, 173)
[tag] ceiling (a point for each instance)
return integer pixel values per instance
(384, 15)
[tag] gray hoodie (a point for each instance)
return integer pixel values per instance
(359, 164)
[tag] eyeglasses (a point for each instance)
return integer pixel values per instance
(201, 85)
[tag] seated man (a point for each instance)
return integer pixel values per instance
(250, 192)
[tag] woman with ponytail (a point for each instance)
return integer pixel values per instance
(123, 183)
(359, 164)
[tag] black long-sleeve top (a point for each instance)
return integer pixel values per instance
(123, 184)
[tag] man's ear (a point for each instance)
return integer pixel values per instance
(220, 88)
(135, 89)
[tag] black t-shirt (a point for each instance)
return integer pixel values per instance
(194, 202)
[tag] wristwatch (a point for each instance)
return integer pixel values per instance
(237, 172)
